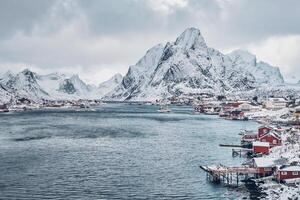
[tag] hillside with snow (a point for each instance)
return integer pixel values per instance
(188, 66)
(109, 85)
(30, 85)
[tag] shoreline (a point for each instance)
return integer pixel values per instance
(255, 190)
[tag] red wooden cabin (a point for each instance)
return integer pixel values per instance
(272, 138)
(264, 166)
(287, 172)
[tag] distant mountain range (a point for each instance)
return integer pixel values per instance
(54, 86)
(184, 67)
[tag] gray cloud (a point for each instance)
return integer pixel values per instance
(21, 16)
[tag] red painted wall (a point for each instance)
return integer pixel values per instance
(270, 139)
(289, 175)
(259, 149)
(263, 171)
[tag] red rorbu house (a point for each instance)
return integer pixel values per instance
(272, 138)
(249, 137)
(264, 166)
(237, 115)
(261, 147)
(287, 172)
(230, 106)
(263, 130)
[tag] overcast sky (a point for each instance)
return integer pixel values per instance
(98, 38)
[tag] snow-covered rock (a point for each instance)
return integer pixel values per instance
(187, 66)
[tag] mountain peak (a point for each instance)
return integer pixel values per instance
(26, 71)
(27, 74)
(191, 38)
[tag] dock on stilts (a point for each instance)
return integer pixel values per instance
(237, 150)
(240, 151)
(231, 176)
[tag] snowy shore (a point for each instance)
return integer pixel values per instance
(289, 151)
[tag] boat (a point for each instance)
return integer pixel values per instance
(84, 106)
(164, 109)
(211, 111)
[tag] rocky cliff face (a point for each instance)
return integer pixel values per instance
(188, 65)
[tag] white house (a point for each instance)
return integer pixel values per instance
(249, 107)
(275, 103)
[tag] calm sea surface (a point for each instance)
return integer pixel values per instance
(117, 151)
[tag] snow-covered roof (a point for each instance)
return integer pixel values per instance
(265, 126)
(290, 168)
(297, 109)
(280, 99)
(272, 133)
(261, 144)
(264, 162)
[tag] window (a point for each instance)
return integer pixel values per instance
(295, 173)
(274, 141)
(267, 169)
(283, 173)
(263, 140)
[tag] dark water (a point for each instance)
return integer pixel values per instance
(118, 151)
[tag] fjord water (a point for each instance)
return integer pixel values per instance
(117, 151)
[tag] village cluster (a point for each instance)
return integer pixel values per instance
(272, 151)
(24, 104)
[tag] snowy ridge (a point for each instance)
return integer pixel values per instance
(184, 67)
(188, 66)
(55, 86)
(263, 72)
(109, 85)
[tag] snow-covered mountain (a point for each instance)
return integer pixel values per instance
(23, 84)
(55, 86)
(187, 66)
(183, 67)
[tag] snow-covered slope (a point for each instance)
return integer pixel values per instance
(5, 96)
(109, 85)
(187, 66)
(263, 72)
(23, 84)
(53, 86)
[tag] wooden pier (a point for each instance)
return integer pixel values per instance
(230, 145)
(231, 176)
